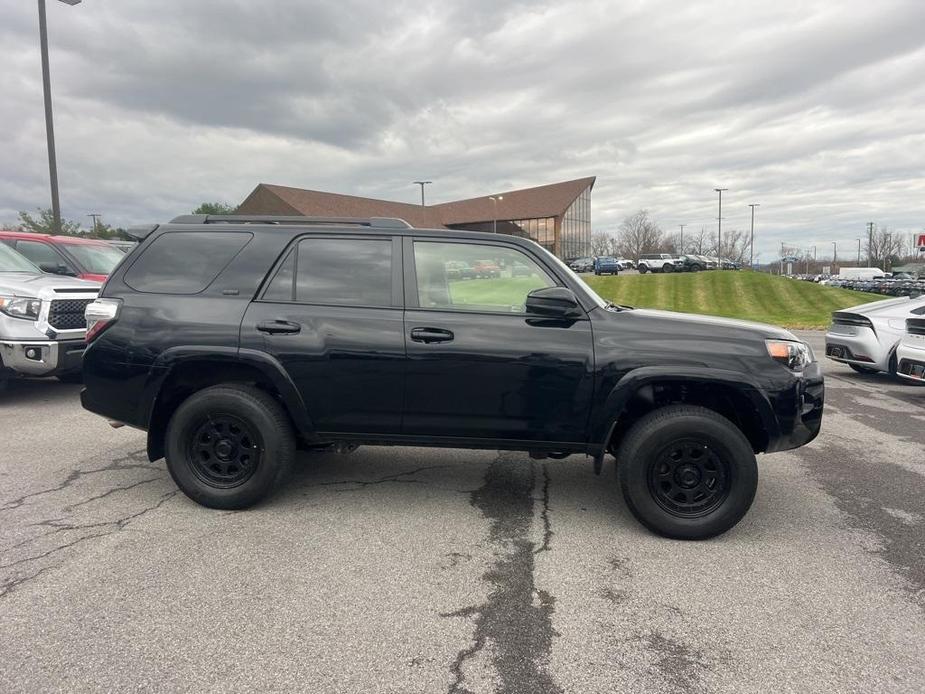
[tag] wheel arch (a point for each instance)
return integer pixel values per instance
(730, 394)
(182, 371)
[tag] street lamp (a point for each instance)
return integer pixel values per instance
(681, 243)
(751, 243)
(422, 184)
(49, 124)
(719, 228)
(495, 200)
(834, 255)
(859, 252)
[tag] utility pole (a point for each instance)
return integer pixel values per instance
(751, 244)
(422, 184)
(719, 228)
(681, 243)
(495, 200)
(859, 252)
(96, 217)
(870, 244)
(781, 273)
(834, 255)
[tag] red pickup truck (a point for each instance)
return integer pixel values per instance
(88, 259)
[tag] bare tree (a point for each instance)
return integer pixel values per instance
(884, 247)
(638, 235)
(735, 246)
(601, 243)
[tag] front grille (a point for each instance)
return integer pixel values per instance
(68, 314)
(915, 326)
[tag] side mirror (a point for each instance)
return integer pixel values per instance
(554, 302)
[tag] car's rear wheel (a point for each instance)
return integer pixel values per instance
(229, 446)
(687, 472)
(863, 369)
(643, 269)
(667, 268)
(696, 268)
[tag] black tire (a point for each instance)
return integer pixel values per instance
(715, 472)
(863, 369)
(696, 268)
(667, 268)
(72, 377)
(643, 269)
(229, 446)
(597, 273)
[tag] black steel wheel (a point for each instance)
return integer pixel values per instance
(687, 472)
(229, 446)
(225, 451)
(688, 478)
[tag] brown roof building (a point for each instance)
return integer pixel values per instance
(557, 216)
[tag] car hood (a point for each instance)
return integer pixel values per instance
(695, 325)
(30, 284)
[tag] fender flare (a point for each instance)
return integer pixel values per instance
(265, 363)
(630, 383)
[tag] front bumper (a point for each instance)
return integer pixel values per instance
(798, 410)
(850, 344)
(42, 357)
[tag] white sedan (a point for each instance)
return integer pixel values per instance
(910, 353)
(865, 337)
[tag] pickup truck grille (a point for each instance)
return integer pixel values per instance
(915, 326)
(68, 314)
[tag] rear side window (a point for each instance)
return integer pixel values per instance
(184, 262)
(343, 272)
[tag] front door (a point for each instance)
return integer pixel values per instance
(480, 367)
(332, 315)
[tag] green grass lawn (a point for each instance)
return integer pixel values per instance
(745, 294)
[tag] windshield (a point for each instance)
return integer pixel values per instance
(11, 261)
(96, 259)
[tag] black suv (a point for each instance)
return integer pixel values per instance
(234, 340)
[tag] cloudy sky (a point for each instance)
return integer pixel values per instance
(813, 109)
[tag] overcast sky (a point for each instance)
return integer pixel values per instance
(812, 109)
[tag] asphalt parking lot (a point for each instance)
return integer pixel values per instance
(417, 570)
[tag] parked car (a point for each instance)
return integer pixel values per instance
(42, 322)
(582, 264)
(486, 269)
(459, 270)
(865, 337)
(87, 259)
(910, 353)
(658, 262)
(257, 338)
(606, 265)
(626, 264)
(692, 263)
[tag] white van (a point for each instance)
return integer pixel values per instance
(860, 273)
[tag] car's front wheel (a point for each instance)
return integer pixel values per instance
(687, 472)
(667, 268)
(229, 446)
(643, 269)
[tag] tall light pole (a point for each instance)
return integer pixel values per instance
(751, 244)
(870, 244)
(834, 255)
(859, 252)
(495, 200)
(719, 228)
(681, 243)
(49, 121)
(422, 184)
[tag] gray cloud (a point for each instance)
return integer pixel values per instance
(812, 110)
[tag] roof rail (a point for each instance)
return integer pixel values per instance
(381, 222)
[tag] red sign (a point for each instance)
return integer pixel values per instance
(921, 243)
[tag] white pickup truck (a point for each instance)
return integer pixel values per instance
(658, 262)
(42, 324)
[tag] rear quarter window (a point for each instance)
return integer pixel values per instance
(184, 262)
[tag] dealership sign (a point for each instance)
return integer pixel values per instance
(920, 242)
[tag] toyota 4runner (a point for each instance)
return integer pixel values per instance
(234, 340)
(41, 320)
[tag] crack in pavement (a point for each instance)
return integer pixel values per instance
(396, 478)
(115, 526)
(517, 617)
(74, 475)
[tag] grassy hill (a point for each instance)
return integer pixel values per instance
(749, 295)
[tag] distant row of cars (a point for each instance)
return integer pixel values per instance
(483, 269)
(651, 262)
(882, 336)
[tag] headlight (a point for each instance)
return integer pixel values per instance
(793, 355)
(19, 307)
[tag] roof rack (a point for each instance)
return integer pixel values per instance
(381, 222)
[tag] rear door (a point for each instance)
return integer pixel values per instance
(480, 367)
(332, 316)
